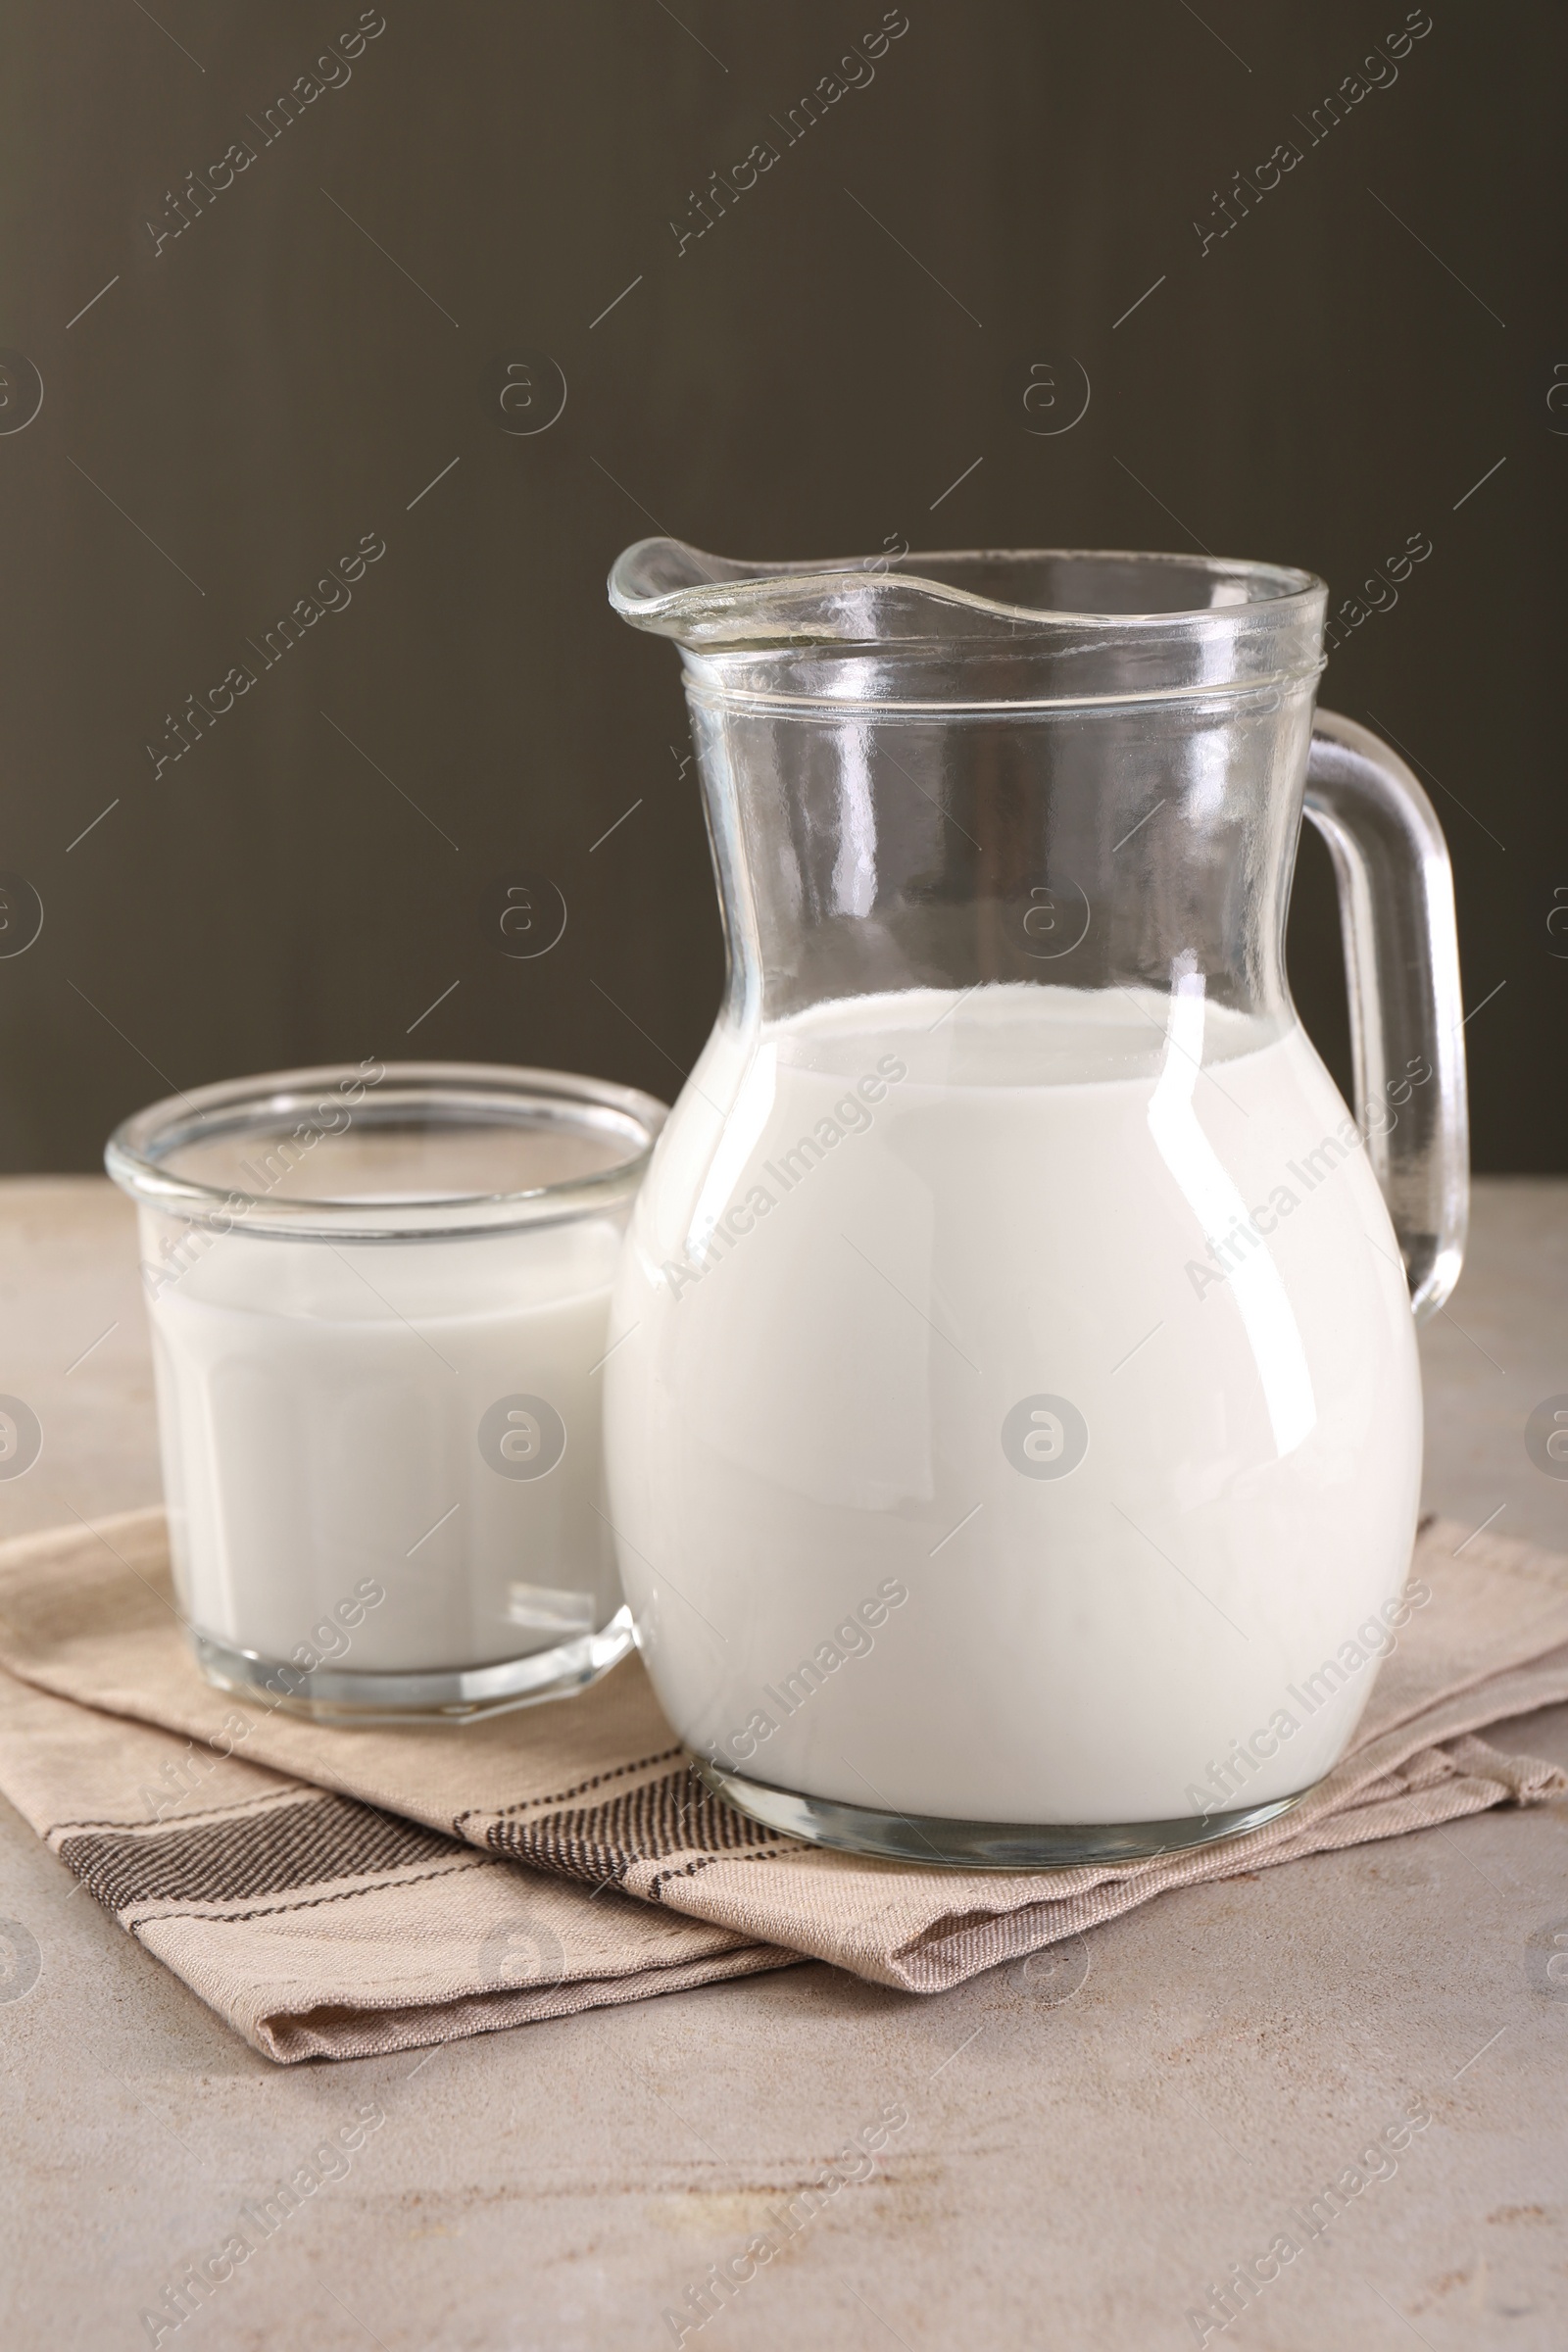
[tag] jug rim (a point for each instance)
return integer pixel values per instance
(668, 585)
(1014, 628)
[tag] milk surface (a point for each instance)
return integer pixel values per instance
(321, 1407)
(872, 1234)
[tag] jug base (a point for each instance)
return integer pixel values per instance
(948, 1845)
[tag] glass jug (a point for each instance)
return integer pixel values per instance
(1013, 1418)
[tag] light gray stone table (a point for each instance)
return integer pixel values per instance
(1074, 2173)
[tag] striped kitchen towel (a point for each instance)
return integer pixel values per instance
(334, 1893)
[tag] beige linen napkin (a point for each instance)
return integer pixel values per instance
(335, 1893)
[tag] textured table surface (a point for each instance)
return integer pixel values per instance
(1082, 2160)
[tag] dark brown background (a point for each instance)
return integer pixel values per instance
(804, 379)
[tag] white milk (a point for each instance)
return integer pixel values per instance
(320, 1409)
(1018, 1206)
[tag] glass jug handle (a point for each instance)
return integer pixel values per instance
(1401, 957)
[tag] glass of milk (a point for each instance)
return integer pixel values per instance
(379, 1302)
(1014, 1425)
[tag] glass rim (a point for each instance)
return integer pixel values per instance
(480, 1093)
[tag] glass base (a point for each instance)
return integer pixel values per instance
(976, 1844)
(457, 1694)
